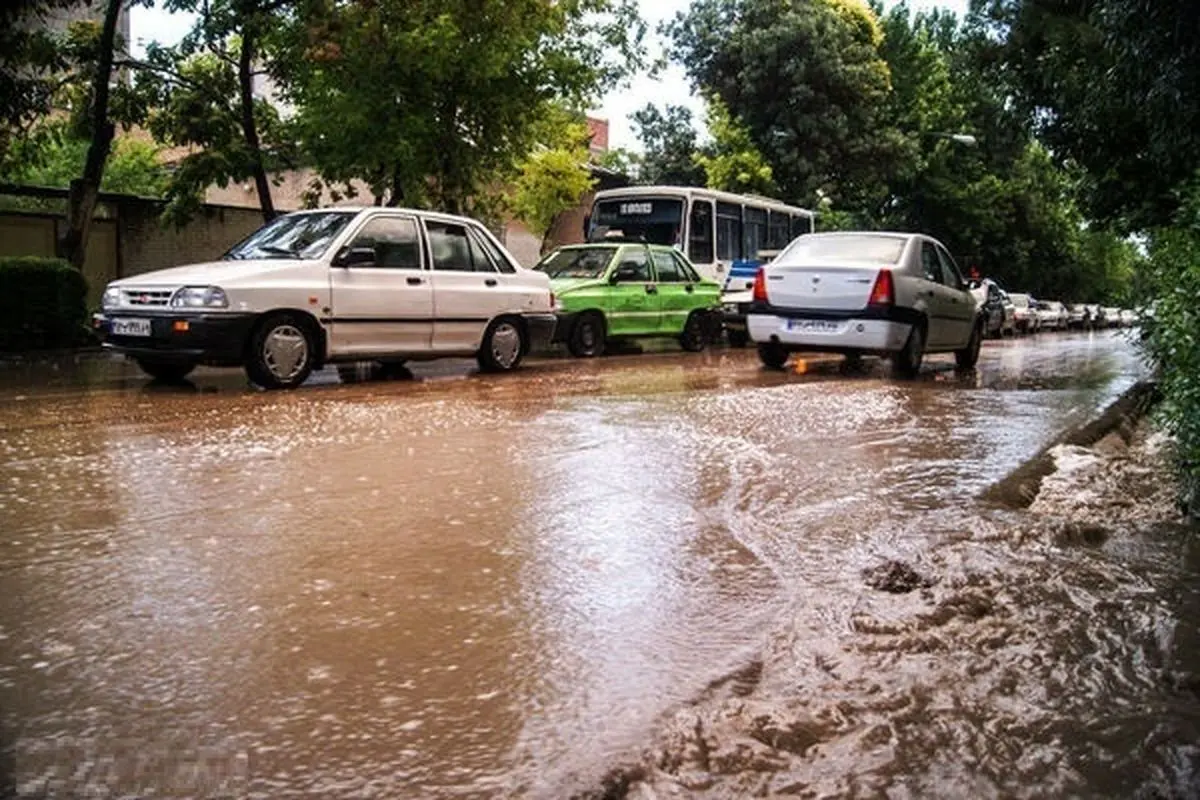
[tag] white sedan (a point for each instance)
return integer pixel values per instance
(898, 295)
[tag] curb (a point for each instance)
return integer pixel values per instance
(1020, 487)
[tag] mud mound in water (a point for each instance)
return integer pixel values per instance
(895, 577)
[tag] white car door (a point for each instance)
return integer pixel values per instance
(960, 306)
(468, 291)
(931, 288)
(385, 305)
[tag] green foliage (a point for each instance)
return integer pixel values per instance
(1171, 333)
(732, 163)
(1113, 85)
(42, 304)
(668, 138)
(430, 102)
(807, 81)
(619, 160)
(552, 180)
(54, 156)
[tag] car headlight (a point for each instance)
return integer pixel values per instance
(111, 298)
(730, 308)
(200, 297)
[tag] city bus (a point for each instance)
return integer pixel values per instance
(723, 234)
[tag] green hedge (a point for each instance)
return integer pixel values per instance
(43, 304)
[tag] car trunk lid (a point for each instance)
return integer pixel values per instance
(821, 288)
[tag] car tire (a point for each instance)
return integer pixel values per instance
(166, 371)
(694, 337)
(504, 344)
(772, 355)
(587, 335)
(737, 338)
(968, 357)
(281, 351)
(907, 362)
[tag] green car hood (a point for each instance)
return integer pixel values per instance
(561, 286)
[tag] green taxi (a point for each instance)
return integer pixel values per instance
(608, 291)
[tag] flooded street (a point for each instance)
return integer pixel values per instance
(474, 586)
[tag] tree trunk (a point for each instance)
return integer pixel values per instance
(397, 195)
(250, 128)
(81, 201)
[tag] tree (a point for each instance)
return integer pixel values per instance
(200, 95)
(806, 79)
(1113, 85)
(31, 66)
(552, 180)
(54, 156)
(96, 123)
(668, 139)
(732, 163)
(434, 102)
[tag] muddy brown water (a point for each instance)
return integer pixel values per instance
(467, 586)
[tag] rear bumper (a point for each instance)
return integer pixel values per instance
(855, 334)
(217, 339)
(541, 330)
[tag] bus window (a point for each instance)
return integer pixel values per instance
(700, 232)
(801, 226)
(657, 220)
(755, 230)
(729, 232)
(778, 231)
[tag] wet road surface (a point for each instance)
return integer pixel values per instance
(464, 585)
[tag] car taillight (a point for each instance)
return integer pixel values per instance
(884, 291)
(760, 286)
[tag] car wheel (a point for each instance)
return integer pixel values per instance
(772, 355)
(503, 345)
(737, 338)
(281, 352)
(694, 337)
(907, 363)
(587, 336)
(166, 371)
(969, 355)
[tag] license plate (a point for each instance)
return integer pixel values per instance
(813, 325)
(131, 327)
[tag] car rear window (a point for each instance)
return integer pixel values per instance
(867, 248)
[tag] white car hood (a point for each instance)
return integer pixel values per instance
(210, 273)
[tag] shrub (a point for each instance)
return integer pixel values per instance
(1170, 299)
(43, 304)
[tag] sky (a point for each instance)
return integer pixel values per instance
(156, 24)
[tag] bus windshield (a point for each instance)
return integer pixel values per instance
(658, 220)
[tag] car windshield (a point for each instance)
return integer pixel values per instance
(868, 248)
(577, 262)
(304, 236)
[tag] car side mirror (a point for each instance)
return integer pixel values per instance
(355, 256)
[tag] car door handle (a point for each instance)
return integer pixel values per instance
(490, 282)
(930, 293)
(690, 289)
(651, 289)
(415, 281)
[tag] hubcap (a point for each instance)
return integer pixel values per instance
(506, 344)
(285, 351)
(587, 334)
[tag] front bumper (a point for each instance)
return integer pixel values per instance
(541, 330)
(204, 338)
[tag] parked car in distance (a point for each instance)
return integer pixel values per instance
(1095, 316)
(616, 289)
(897, 295)
(1026, 313)
(1112, 316)
(736, 305)
(1128, 318)
(337, 285)
(1052, 315)
(999, 314)
(1077, 315)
